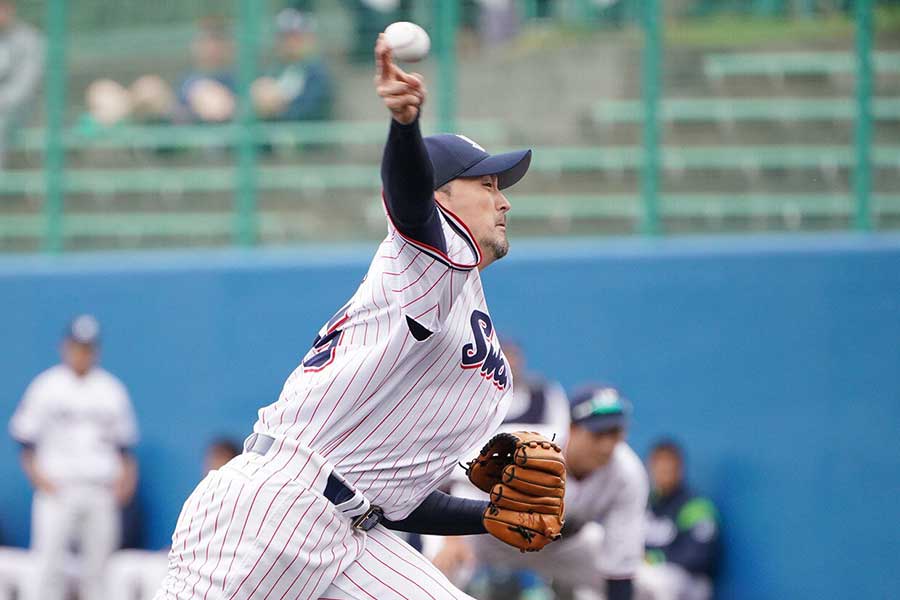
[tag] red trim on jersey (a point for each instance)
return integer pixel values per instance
(456, 223)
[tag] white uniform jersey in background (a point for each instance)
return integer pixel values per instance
(610, 502)
(77, 425)
(403, 379)
(616, 497)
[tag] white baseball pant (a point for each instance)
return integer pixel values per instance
(87, 516)
(251, 531)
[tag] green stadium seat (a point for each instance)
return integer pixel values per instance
(527, 207)
(702, 110)
(783, 64)
(547, 160)
(276, 134)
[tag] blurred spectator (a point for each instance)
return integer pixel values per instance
(21, 67)
(298, 87)
(219, 452)
(207, 93)
(606, 496)
(138, 574)
(76, 427)
(682, 533)
(498, 21)
(152, 100)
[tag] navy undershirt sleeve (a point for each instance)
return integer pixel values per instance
(443, 514)
(408, 180)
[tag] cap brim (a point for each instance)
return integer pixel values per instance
(509, 167)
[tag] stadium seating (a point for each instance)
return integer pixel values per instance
(783, 64)
(729, 110)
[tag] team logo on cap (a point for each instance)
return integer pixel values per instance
(471, 141)
(605, 401)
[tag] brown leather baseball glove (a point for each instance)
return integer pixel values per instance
(525, 474)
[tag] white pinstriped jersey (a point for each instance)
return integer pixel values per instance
(405, 378)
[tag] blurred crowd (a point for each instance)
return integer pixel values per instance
(627, 535)
(295, 86)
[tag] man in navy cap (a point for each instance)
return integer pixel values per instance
(398, 387)
(76, 427)
(606, 497)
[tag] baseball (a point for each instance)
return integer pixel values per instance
(408, 41)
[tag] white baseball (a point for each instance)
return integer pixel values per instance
(408, 41)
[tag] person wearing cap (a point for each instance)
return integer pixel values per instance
(682, 547)
(606, 498)
(298, 87)
(76, 427)
(397, 387)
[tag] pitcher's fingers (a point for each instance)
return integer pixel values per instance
(383, 59)
(400, 102)
(395, 87)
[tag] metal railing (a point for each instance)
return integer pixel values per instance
(247, 132)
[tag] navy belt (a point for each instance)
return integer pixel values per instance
(337, 491)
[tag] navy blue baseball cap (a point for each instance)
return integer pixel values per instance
(599, 408)
(454, 155)
(84, 329)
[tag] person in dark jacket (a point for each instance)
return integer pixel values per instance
(682, 543)
(299, 86)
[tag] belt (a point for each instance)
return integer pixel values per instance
(347, 499)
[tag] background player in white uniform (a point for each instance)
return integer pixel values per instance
(76, 425)
(399, 383)
(606, 498)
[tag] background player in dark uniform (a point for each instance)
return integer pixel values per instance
(682, 533)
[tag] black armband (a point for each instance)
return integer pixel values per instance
(443, 514)
(619, 589)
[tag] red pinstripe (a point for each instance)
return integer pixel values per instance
(227, 529)
(396, 406)
(313, 552)
(184, 546)
(375, 577)
(426, 292)
(269, 543)
(361, 588)
(421, 275)
(416, 257)
(331, 447)
(312, 528)
(460, 328)
(398, 557)
(399, 252)
(412, 581)
(268, 508)
(206, 560)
